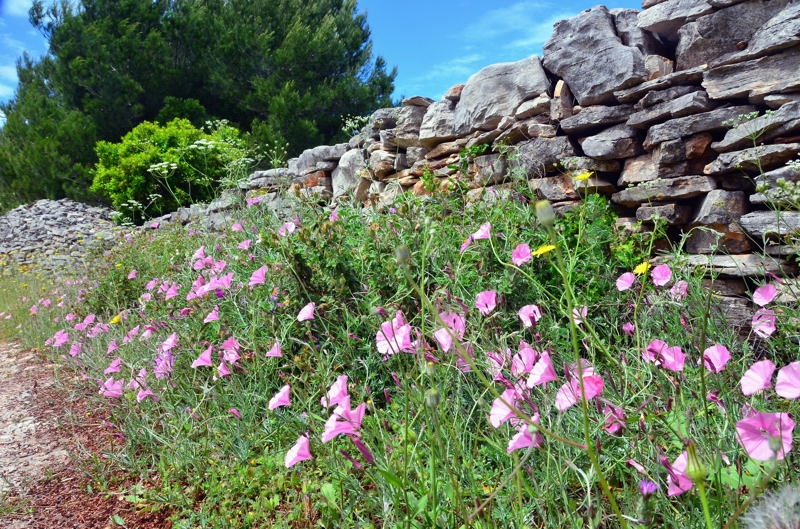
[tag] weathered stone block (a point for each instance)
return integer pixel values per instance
(595, 117)
(664, 189)
(539, 156)
(673, 214)
(438, 124)
(496, 91)
(771, 224)
(756, 78)
(692, 103)
(579, 46)
(692, 76)
(780, 32)
(666, 18)
(617, 142)
(763, 157)
(688, 125)
(761, 129)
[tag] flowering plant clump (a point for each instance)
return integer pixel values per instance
(418, 368)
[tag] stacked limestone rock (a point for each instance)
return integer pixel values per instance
(53, 234)
(642, 99)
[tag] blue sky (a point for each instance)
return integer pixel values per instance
(434, 44)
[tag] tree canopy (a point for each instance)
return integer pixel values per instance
(284, 70)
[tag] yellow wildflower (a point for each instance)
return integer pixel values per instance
(541, 250)
(116, 319)
(583, 176)
(641, 268)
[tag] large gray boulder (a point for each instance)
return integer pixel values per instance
(666, 18)
(438, 124)
(722, 32)
(755, 79)
(496, 91)
(409, 120)
(347, 175)
(781, 31)
(586, 52)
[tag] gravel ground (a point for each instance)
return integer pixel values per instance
(46, 436)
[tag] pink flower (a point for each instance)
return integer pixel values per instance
(60, 338)
(567, 395)
(299, 452)
(679, 290)
(112, 388)
(307, 312)
(579, 314)
(542, 371)
(75, 349)
(132, 274)
(113, 367)
(614, 418)
(139, 383)
(258, 277)
(456, 326)
(484, 232)
(281, 398)
(223, 370)
(677, 479)
(112, 346)
(245, 244)
(522, 362)
(661, 354)
(275, 351)
(486, 302)
(337, 392)
(444, 338)
(213, 315)
(237, 226)
(764, 294)
(626, 281)
(164, 364)
(501, 410)
(661, 275)
(716, 357)
(524, 438)
(465, 244)
(764, 323)
(394, 337)
(344, 420)
(521, 254)
(628, 328)
(169, 344)
(334, 216)
(204, 359)
(787, 385)
(230, 350)
(235, 412)
(758, 377)
(530, 315)
(287, 229)
(766, 435)
(252, 201)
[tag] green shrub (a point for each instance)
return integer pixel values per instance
(156, 169)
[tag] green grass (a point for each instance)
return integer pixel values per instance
(426, 454)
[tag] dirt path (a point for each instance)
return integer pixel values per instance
(43, 437)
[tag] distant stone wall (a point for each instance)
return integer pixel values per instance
(55, 235)
(642, 99)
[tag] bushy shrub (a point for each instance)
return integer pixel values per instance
(156, 169)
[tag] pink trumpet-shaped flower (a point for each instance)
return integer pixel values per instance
(112, 388)
(258, 277)
(204, 359)
(275, 351)
(758, 377)
(766, 435)
(213, 315)
(521, 254)
(542, 372)
(567, 395)
(626, 281)
(763, 323)
(299, 452)
(787, 385)
(337, 392)
(486, 301)
(764, 294)
(281, 398)
(307, 312)
(716, 357)
(113, 367)
(501, 409)
(344, 420)
(677, 480)
(661, 275)
(529, 315)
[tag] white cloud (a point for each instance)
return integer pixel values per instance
(523, 26)
(450, 72)
(8, 73)
(17, 8)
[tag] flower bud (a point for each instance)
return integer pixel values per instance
(545, 213)
(432, 398)
(695, 468)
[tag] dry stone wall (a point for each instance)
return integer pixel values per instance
(643, 99)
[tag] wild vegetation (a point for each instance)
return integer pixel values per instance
(280, 72)
(435, 364)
